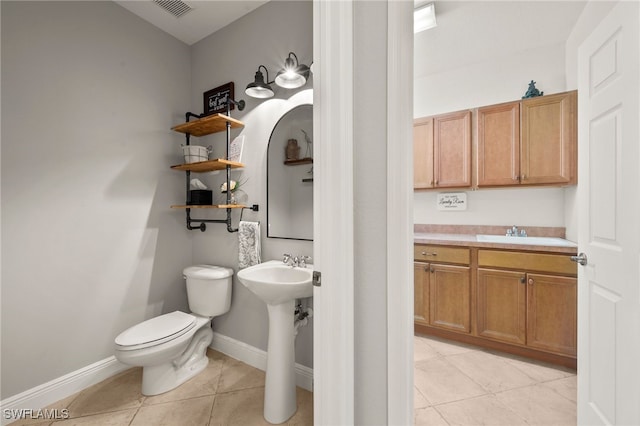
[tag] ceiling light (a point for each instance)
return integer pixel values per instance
(260, 89)
(424, 17)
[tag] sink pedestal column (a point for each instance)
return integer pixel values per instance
(280, 385)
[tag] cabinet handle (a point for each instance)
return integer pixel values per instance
(426, 269)
(522, 280)
(524, 177)
(426, 253)
(516, 177)
(530, 281)
(432, 183)
(432, 270)
(436, 182)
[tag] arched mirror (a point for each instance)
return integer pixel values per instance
(290, 176)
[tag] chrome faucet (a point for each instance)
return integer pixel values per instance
(513, 232)
(299, 261)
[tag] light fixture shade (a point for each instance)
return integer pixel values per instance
(293, 75)
(259, 89)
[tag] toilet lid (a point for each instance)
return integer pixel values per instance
(163, 328)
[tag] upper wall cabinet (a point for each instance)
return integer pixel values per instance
(530, 142)
(442, 151)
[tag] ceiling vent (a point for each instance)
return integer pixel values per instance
(175, 7)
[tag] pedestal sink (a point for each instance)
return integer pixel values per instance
(279, 285)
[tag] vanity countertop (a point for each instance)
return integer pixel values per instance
(442, 235)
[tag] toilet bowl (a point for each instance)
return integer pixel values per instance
(172, 348)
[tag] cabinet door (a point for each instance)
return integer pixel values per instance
(498, 157)
(452, 150)
(449, 294)
(551, 313)
(421, 293)
(548, 144)
(423, 153)
(501, 305)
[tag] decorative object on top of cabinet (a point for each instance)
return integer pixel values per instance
(442, 151)
(532, 91)
(216, 100)
(528, 142)
(202, 126)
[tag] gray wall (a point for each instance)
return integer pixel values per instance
(89, 243)
(263, 37)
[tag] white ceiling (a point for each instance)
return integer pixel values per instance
(207, 16)
(492, 29)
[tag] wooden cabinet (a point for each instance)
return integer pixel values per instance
(442, 287)
(442, 151)
(517, 301)
(501, 305)
(552, 313)
(526, 307)
(421, 293)
(449, 297)
(548, 140)
(498, 154)
(530, 142)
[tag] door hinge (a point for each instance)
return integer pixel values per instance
(317, 278)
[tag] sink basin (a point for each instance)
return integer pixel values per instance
(275, 283)
(279, 285)
(535, 241)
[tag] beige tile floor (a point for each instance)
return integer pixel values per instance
(228, 392)
(457, 384)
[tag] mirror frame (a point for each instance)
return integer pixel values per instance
(267, 180)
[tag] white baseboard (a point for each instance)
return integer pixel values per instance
(257, 358)
(60, 388)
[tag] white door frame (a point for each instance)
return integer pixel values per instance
(333, 335)
(333, 209)
(400, 213)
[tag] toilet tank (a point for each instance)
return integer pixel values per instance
(208, 289)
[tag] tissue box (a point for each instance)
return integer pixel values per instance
(201, 197)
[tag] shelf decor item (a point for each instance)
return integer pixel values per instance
(216, 100)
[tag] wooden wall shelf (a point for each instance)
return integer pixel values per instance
(207, 125)
(208, 166)
(306, 160)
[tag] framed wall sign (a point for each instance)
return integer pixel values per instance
(215, 100)
(452, 201)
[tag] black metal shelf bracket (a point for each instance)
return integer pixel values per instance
(201, 223)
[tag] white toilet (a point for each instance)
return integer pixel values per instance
(172, 348)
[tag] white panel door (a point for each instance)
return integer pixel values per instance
(609, 221)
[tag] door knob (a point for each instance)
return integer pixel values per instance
(580, 258)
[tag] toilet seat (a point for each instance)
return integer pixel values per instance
(156, 331)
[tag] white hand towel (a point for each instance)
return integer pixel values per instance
(248, 244)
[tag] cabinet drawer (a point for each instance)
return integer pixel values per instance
(441, 254)
(554, 263)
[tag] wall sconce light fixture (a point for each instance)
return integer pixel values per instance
(260, 89)
(293, 75)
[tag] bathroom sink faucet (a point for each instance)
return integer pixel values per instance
(513, 232)
(300, 261)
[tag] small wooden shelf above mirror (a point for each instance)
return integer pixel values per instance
(207, 125)
(307, 160)
(208, 166)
